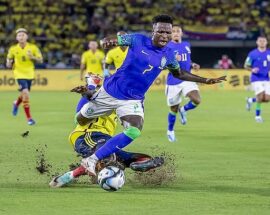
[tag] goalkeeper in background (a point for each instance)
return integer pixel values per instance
(88, 138)
(115, 56)
(21, 58)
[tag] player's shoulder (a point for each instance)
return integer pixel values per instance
(185, 43)
(31, 44)
(12, 47)
(253, 51)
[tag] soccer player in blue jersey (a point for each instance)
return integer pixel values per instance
(176, 88)
(124, 91)
(258, 63)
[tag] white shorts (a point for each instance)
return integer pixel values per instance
(104, 104)
(174, 93)
(261, 86)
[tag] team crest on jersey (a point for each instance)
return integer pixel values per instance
(268, 57)
(163, 62)
(188, 49)
(90, 111)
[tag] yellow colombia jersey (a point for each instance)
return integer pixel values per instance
(93, 61)
(116, 56)
(103, 124)
(23, 66)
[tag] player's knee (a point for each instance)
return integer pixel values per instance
(132, 132)
(174, 108)
(196, 101)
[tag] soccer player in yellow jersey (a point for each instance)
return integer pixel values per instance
(21, 58)
(115, 56)
(92, 60)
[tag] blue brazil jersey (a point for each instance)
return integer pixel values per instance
(141, 67)
(260, 60)
(184, 54)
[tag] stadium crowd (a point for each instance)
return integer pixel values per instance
(63, 28)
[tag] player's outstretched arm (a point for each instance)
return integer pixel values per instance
(183, 75)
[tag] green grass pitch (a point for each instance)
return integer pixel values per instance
(223, 160)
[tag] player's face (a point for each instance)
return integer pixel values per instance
(93, 45)
(177, 33)
(261, 42)
(21, 37)
(162, 34)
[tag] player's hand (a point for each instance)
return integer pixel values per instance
(79, 89)
(215, 80)
(106, 73)
(107, 43)
(255, 70)
(196, 66)
(30, 55)
(84, 91)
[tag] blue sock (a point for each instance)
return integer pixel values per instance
(189, 106)
(171, 120)
(254, 100)
(113, 145)
(258, 109)
(81, 103)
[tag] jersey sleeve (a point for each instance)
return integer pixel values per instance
(129, 39)
(36, 52)
(10, 54)
(109, 59)
(249, 60)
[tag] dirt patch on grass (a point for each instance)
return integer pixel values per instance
(163, 175)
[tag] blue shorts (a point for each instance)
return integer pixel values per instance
(24, 84)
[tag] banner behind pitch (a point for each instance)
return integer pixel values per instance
(64, 80)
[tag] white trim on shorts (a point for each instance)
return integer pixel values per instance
(104, 104)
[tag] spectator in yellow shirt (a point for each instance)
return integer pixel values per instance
(115, 56)
(92, 60)
(21, 58)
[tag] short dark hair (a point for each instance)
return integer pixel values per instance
(162, 18)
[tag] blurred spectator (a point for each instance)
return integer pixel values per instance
(225, 63)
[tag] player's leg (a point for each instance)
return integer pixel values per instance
(190, 90)
(173, 95)
(131, 114)
(84, 145)
(267, 91)
(16, 104)
(101, 104)
(259, 99)
(139, 161)
(25, 87)
(84, 150)
(259, 90)
(249, 102)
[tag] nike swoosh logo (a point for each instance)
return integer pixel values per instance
(144, 52)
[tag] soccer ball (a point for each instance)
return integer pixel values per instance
(111, 178)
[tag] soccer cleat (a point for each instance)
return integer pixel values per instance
(15, 109)
(183, 116)
(248, 104)
(60, 181)
(258, 119)
(143, 166)
(90, 165)
(171, 136)
(31, 122)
